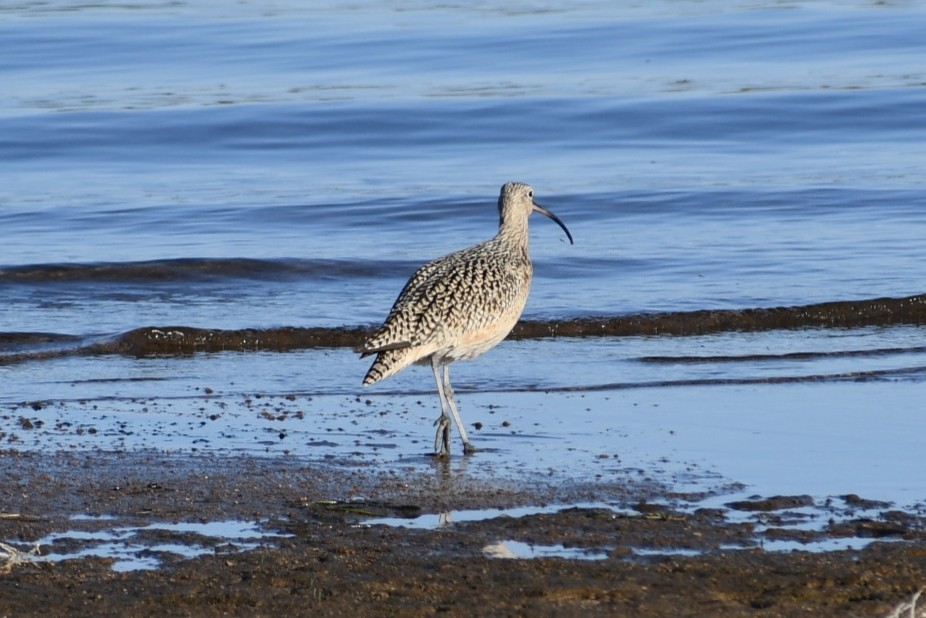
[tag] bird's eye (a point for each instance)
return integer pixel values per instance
(530, 194)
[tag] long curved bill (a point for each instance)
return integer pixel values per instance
(547, 213)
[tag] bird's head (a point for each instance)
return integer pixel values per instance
(516, 203)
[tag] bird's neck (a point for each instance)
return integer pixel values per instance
(515, 237)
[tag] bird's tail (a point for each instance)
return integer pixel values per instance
(387, 363)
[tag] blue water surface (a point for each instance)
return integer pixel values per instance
(703, 154)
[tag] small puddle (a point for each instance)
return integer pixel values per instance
(814, 518)
(519, 550)
(433, 521)
(135, 548)
(669, 551)
(822, 545)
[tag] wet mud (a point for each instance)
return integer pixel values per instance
(840, 314)
(326, 551)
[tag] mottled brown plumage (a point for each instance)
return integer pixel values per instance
(460, 305)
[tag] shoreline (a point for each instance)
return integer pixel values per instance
(179, 340)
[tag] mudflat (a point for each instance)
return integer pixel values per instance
(345, 539)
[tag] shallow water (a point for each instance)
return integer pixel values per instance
(134, 548)
(823, 426)
(815, 518)
(267, 166)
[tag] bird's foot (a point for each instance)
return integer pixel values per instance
(468, 448)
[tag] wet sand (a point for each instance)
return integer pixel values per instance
(320, 555)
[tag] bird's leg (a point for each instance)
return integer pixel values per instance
(451, 400)
(442, 439)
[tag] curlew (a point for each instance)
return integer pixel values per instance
(460, 306)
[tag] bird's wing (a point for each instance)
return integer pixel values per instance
(399, 328)
(457, 293)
